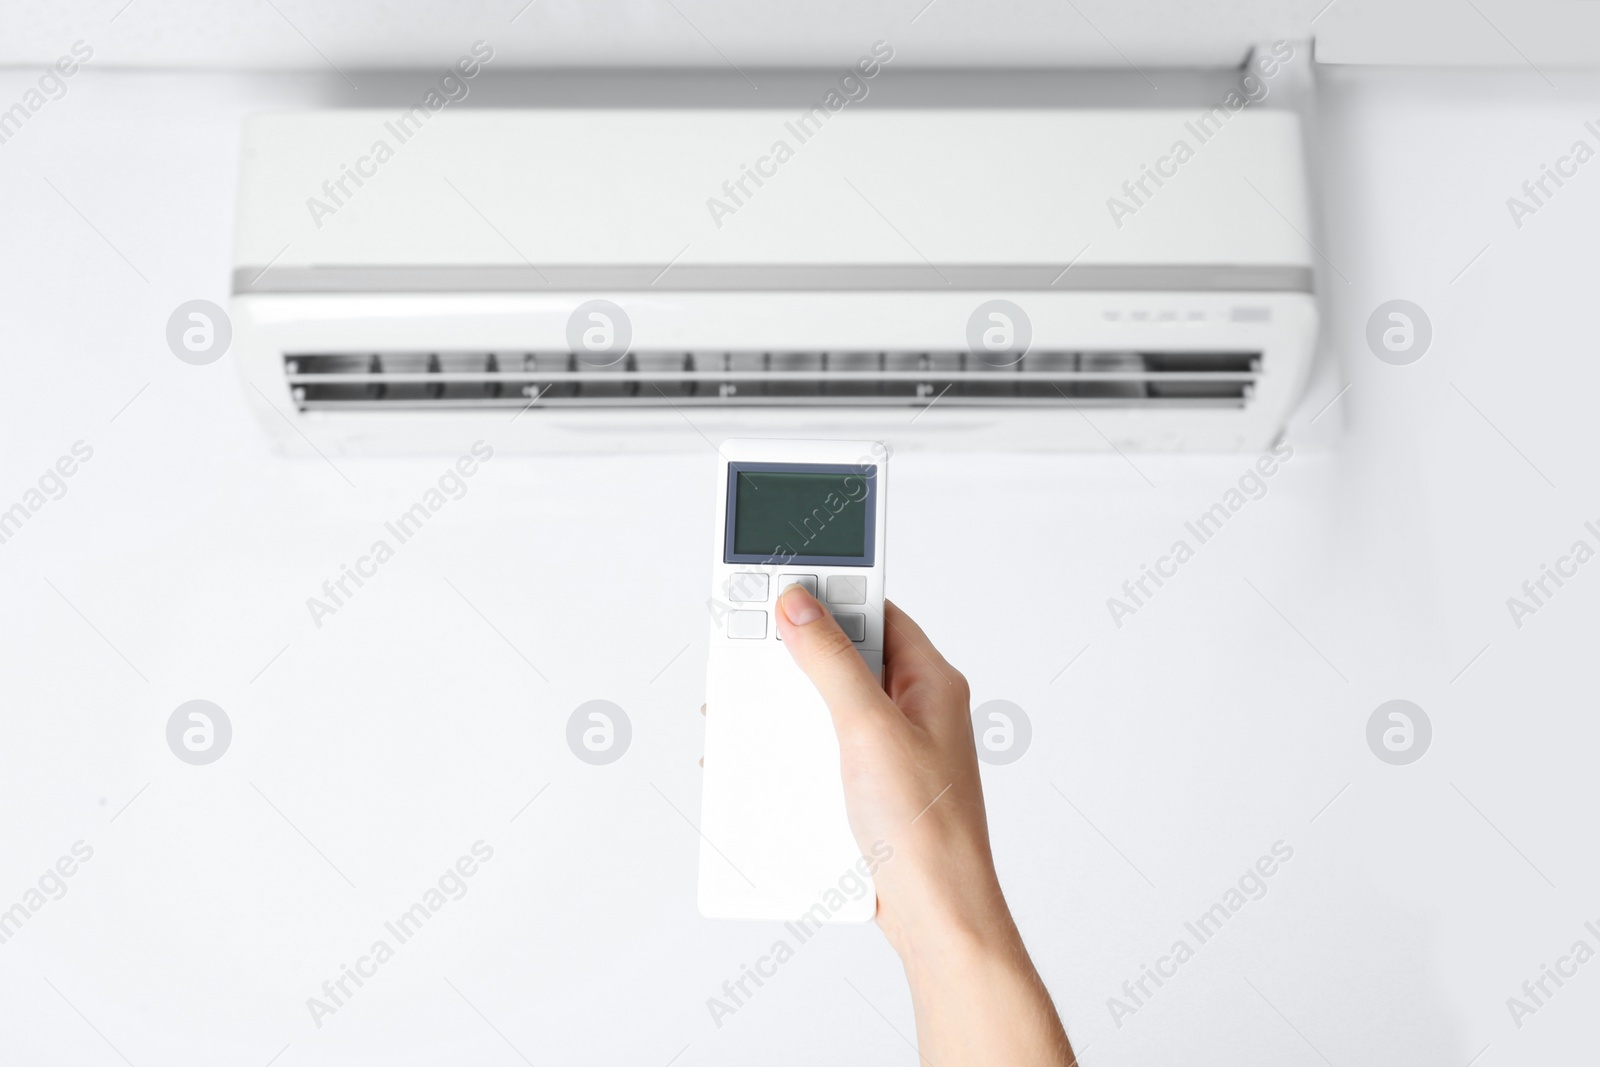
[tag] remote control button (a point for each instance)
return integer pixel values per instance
(747, 625)
(853, 625)
(748, 587)
(847, 589)
(807, 580)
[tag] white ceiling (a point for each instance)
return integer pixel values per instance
(303, 34)
(307, 35)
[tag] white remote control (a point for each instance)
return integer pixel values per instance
(775, 842)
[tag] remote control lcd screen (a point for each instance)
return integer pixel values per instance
(801, 515)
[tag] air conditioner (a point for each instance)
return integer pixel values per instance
(603, 279)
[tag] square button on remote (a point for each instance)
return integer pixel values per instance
(747, 625)
(847, 589)
(853, 625)
(807, 580)
(748, 587)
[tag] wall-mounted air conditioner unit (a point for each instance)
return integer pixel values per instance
(585, 279)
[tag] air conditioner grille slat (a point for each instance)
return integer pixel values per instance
(378, 380)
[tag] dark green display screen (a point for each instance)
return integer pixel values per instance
(800, 513)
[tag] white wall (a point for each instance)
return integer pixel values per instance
(1225, 716)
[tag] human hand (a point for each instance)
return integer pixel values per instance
(910, 771)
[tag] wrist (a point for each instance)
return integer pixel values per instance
(955, 923)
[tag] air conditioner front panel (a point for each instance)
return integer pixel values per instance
(952, 187)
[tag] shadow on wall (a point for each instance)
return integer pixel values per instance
(789, 88)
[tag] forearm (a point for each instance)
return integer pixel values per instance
(980, 1001)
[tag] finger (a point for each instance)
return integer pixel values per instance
(702, 709)
(830, 660)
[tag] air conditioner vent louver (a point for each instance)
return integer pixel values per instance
(320, 380)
